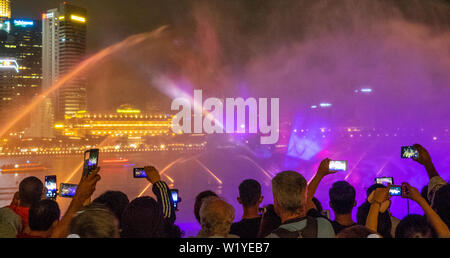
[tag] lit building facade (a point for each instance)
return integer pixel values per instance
(21, 41)
(126, 122)
(8, 71)
(5, 9)
(64, 47)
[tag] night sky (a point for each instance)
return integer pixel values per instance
(111, 21)
(245, 30)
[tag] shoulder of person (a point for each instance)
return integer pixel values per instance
(272, 235)
(324, 225)
(323, 220)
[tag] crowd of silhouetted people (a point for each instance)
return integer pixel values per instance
(295, 212)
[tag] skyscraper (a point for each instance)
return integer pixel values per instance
(21, 45)
(5, 9)
(8, 70)
(64, 47)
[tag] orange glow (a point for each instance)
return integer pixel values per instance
(170, 179)
(161, 173)
(82, 67)
(208, 170)
(21, 168)
(82, 162)
(114, 160)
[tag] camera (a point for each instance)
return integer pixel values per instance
(384, 180)
(67, 190)
(409, 152)
(50, 184)
(338, 165)
(396, 190)
(175, 198)
(90, 161)
(139, 173)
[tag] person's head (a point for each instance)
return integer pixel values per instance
(44, 215)
(250, 193)
(30, 191)
(116, 201)
(143, 218)
(95, 221)
(198, 202)
(441, 203)
(342, 197)
(216, 217)
(358, 231)
(414, 226)
(289, 193)
(384, 220)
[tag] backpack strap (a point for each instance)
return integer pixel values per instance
(309, 231)
(284, 233)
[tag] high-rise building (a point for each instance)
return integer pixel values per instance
(21, 44)
(8, 70)
(64, 47)
(5, 9)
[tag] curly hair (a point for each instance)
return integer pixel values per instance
(216, 217)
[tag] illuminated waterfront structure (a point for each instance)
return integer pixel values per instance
(125, 122)
(5, 9)
(64, 47)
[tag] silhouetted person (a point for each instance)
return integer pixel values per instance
(289, 196)
(250, 198)
(358, 231)
(143, 218)
(342, 200)
(414, 226)
(43, 217)
(384, 218)
(94, 221)
(116, 201)
(30, 192)
(198, 202)
(216, 217)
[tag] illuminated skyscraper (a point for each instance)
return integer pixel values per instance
(21, 41)
(5, 9)
(64, 47)
(8, 70)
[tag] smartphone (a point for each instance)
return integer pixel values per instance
(384, 180)
(338, 165)
(409, 152)
(175, 198)
(90, 161)
(50, 184)
(139, 173)
(396, 190)
(67, 190)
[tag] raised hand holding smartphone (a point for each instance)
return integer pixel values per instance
(90, 161)
(152, 174)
